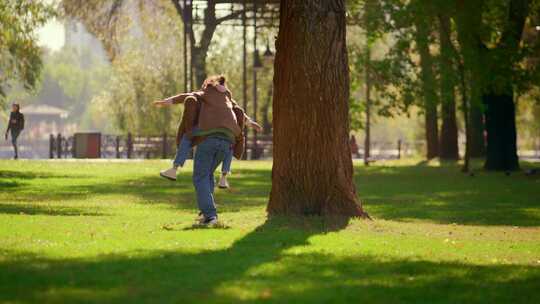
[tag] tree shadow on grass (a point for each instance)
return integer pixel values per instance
(45, 210)
(264, 266)
(402, 193)
(23, 175)
(250, 188)
(18, 186)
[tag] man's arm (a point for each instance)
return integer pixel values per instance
(248, 122)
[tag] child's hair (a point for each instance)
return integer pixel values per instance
(214, 81)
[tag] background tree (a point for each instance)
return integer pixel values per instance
(312, 171)
(423, 19)
(20, 56)
(407, 74)
(448, 148)
(103, 18)
(491, 37)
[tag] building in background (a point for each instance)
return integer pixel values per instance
(43, 120)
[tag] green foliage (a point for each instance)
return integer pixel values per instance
(147, 66)
(20, 56)
(357, 88)
(90, 232)
(105, 19)
(135, 85)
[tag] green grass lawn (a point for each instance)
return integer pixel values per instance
(116, 232)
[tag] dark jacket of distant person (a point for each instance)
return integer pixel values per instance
(16, 121)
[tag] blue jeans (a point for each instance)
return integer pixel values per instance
(182, 152)
(14, 135)
(210, 153)
(227, 161)
(184, 148)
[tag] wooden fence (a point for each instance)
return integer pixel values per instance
(145, 147)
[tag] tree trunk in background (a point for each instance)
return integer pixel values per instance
(448, 148)
(428, 89)
(497, 92)
(500, 113)
(200, 53)
(198, 61)
(312, 172)
(266, 123)
(478, 145)
(501, 152)
(467, 19)
(367, 137)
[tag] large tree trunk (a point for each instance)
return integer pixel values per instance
(501, 152)
(312, 172)
(428, 89)
(449, 134)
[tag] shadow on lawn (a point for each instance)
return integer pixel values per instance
(261, 267)
(23, 175)
(250, 188)
(405, 193)
(402, 193)
(44, 210)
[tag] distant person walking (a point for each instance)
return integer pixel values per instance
(15, 127)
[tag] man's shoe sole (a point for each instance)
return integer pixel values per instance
(169, 178)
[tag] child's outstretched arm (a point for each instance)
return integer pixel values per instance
(176, 99)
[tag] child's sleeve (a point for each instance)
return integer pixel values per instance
(180, 98)
(190, 114)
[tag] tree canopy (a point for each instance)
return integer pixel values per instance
(20, 56)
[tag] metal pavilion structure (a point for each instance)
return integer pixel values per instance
(204, 16)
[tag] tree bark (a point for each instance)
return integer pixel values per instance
(448, 148)
(428, 88)
(501, 153)
(312, 172)
(468, 20)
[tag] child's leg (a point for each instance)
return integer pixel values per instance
(227, 161)
(225, 169)
(182, 153)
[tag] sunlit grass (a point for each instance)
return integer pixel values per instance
(115, 232)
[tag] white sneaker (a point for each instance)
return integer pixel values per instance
(208, 221)
(169, 174)
(223, 183)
